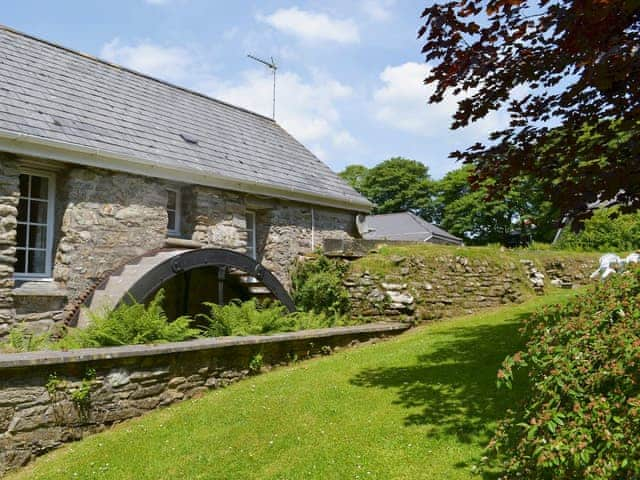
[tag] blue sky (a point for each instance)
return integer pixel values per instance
(349, 82)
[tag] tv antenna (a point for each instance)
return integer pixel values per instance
(272, 65)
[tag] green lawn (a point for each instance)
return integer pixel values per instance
(419, 406)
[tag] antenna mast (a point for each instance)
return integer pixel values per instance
(272, 65)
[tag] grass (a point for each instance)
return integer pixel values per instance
(421, 406)
(382, 262)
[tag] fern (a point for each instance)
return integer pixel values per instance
(251, 318)
(22, 339)
(132, 325)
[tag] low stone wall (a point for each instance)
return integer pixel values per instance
(414, 288)
(49, 398)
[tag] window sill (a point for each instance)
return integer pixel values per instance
(176, 242)
(40, 288)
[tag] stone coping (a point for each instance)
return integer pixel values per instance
(47, 357)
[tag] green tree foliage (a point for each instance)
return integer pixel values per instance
(468, 212)
(580, 418)
(355, 175)
(395, 185)
(608, 229)
(399, 184)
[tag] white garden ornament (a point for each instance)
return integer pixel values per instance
(611, 263)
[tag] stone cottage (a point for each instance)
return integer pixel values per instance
(101, 165)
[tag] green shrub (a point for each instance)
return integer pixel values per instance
(607, 229)
(317, 286)
(581, 415)
(130, 325)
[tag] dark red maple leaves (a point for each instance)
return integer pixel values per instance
(576, 67)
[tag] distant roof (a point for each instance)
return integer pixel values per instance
(55, 97)
(405, 226)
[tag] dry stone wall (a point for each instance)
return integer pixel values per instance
(419, 289)
(47, 399)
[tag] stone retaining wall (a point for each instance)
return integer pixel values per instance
(419, 289)
(49, 398)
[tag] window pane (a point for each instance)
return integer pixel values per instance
(21, 238)
(39, 187)
(172, 200)
(24, 185)
(23, 207)
(37, 237)
(38, 212)
(171, 223)
(37, 259)
(19, 266)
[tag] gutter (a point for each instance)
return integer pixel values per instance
(30, 145)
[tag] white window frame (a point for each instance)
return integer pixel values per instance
(176, 232)
(50, 225)
(250, 218)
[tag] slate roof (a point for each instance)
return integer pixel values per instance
(56, 94)
(406, 226)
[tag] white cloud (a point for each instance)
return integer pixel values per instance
(170, 63)
(312, 26)
(343, 139)
(378, 10)
(307, 109)
(401, 103)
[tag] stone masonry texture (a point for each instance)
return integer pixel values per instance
(9, 196)
(106, 219)
(38, 412)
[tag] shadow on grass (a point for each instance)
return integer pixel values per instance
(452, 389)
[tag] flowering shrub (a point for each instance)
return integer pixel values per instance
(581, 415)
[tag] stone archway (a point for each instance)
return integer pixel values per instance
(139, 281)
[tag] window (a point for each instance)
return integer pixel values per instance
(173, 212)
(251, 235)
(35, 225)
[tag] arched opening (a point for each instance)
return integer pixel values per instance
(186, 293)
(207, 275)
(189, 278)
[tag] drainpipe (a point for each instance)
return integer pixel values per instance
(313, 229)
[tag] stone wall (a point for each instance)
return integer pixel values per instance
(216, 218)
(415, 288)
(40, 407)
(106, 219)
(285, 233)
(9, 196)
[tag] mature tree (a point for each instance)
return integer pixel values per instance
(399, 185)
(466, 212)
(354, 175)
(578, 64)
(395, 185)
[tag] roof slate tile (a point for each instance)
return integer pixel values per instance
(103, 106)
